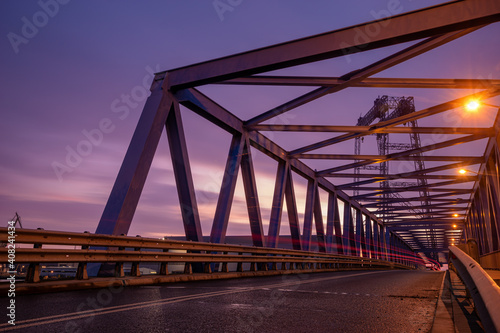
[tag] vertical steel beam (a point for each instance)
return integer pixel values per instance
(359, 233)
(486, 217)
(277, 208)
(183, 176)
(308, 215)
(318, 220)
(329, 224)
(376, 241)
(122, 202)
(334, 232)
(252, 199)
(388, 245)
(494, 181)
(291, 205)
(226, 194)
(349, 241)
(369, 237)
(337, 226)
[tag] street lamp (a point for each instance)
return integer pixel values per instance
(472, 105)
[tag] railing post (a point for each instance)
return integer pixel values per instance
(81, 271)
(119, 265)
(164, 265)
(134, 269)
(239, 267)
(33, 273)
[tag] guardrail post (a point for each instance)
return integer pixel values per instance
(81, 271)
(164, 268)
(239, 267)
(134, 269)
(33, 273)
(164, 265)
(119, 266)
(224, 265)
(252, 267)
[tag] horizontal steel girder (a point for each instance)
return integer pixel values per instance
(381, 158)
(376, 128)
(401, 28)
(413, 83)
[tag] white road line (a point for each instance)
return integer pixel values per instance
(139, 305)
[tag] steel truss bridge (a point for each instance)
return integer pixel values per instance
(374, 224)
(457, 206)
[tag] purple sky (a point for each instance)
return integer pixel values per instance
(86, 65)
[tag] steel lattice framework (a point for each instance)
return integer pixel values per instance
(362, 232)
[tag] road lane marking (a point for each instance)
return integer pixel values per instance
(134, 306)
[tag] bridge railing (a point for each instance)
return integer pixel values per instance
(483, 289)
(40, 246)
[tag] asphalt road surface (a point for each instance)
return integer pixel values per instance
(356, 301)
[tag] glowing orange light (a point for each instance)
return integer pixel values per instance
(472, 105)
(454, 226)
(462, 171)
(455, 215)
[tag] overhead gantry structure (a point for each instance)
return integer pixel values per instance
(352, 226)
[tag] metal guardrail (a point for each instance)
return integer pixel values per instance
(96, 248)
(484, 291)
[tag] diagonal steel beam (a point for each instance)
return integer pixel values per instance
(124, 197)
(397, 29)
(251, 196)
(277, 205)
(183, 176)
(226, 194)
(358, 75)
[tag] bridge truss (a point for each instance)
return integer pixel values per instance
(356, 229)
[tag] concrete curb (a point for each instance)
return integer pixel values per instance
(443, 317)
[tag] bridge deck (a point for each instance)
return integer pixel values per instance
(375, 301)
